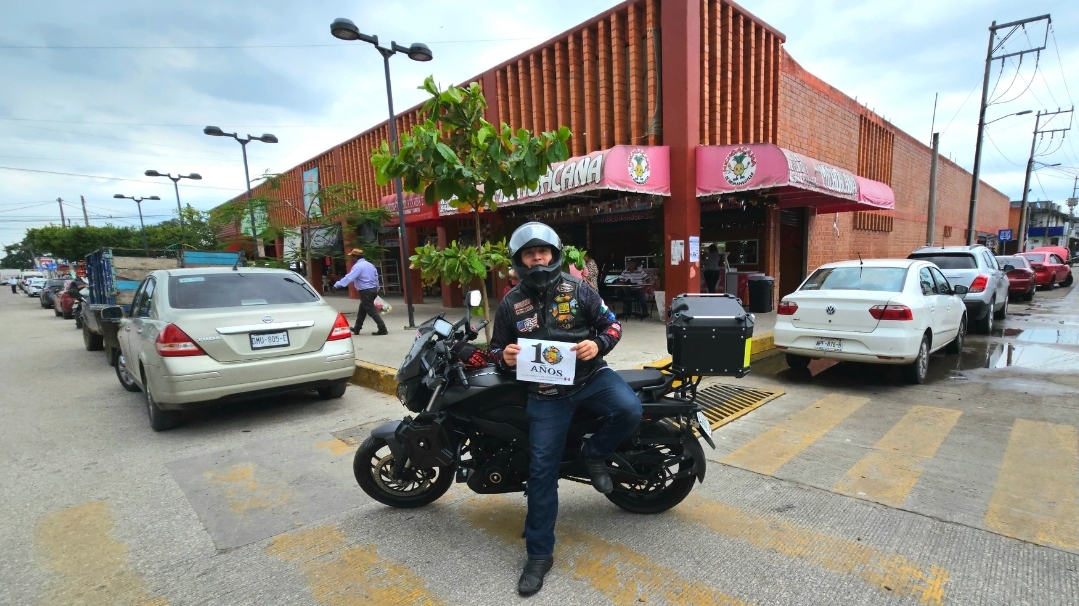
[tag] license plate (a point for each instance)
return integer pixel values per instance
(705, 424)
(830, 344)
(266, 340)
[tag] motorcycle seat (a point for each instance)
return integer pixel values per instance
(639, 379)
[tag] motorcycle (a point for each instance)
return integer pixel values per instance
(470, 425)
(76, 307)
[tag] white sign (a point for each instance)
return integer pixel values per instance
(550, 362)
(678, 251)
(694, 249)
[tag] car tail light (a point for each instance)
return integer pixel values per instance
(979, 283)
(174, 343)
(787, 308)
(1038, 266)
(341, 329)
(891, 312)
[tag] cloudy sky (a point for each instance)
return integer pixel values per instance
(95, 93)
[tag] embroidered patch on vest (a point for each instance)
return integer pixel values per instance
(528, 324)
(523, 307)
(564, 287)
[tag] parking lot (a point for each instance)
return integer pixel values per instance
(850, 487)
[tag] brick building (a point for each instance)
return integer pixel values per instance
(679, 90)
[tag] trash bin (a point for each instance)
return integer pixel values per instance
(761, 289)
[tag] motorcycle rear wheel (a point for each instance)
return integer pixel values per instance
(416, 487)
(641, 499)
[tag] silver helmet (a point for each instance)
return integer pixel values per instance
(536, 234)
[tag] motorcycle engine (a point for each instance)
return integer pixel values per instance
(499, 467)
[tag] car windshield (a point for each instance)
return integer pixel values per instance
(237, 289)
(56, 283)
(1013, 261)
(1035, 257)
(888, 279)
(946, 261)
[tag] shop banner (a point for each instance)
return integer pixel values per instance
(630, 168)
(801, 180)
(416, 209)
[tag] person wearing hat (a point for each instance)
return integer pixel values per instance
(364, 276)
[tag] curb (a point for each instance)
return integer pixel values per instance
(380, 378)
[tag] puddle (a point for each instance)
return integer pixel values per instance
(996, 356)
(1048, 336)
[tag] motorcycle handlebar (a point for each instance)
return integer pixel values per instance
(461, 376)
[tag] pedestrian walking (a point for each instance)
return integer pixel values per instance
(364, 276)
(14, 282)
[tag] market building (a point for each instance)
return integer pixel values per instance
(691, 125)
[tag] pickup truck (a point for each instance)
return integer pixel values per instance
(114, 280)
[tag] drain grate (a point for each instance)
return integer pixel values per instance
(725, 403)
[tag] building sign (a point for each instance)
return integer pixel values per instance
(415, 208)
(630, 168)
(1045, 232)
(798, 179)
(1004, 235)
(311, 206)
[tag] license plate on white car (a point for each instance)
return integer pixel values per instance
(830, 344)
(266, 340)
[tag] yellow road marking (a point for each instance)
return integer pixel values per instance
(888, 474)
(338, 575)
(1036, 497)
(78, 543)
(623, 575)
(891, 573)
(336, 447)
(243, 491)
(769, 451)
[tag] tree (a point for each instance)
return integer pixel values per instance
(458, 156)
(16, 256)
(197, 232)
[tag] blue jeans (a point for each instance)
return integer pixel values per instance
(548, 424)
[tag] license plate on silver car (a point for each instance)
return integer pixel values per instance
(266, 340)
(830, 344)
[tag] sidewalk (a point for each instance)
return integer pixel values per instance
(377, 358)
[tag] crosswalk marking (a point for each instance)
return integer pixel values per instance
(769, 451)
(892, 574)
(623, 575)
(1036, 497)
(93, 567)
(890, 471)
(338, 574)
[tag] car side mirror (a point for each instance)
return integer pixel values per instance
(960, 290)
(112, 313)
(1009, 268)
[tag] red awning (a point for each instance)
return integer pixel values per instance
(796, 179)
(417, 212)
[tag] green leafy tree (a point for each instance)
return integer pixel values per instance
(461, 265)
(197, 233)
(16, 256)
(458, 156)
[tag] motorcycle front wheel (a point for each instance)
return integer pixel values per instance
(373, 466)
(665, 491)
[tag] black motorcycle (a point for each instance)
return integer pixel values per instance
(471, 425)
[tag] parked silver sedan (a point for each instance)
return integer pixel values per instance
(205, 336)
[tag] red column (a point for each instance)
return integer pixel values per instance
(451, 291)
(681, 69)
(417, 279)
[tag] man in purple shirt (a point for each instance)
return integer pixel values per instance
(364, 277)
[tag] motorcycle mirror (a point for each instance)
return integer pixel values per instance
(474, 298)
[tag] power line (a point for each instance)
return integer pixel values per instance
(245, 46)
(139, 162)
(1056, 48)
(994, 143)
(960, 107)
(50, 172)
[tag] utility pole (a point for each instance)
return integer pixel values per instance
(85, 217)
(63, 221)
(1023, 219)
(933, 122)
(931, 223)
(972, 235)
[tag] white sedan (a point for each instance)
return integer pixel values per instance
(882, 311)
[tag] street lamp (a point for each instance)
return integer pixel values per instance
(972, 236)
(214, 131)
(142, 226)
(344, 29)
(180, 211)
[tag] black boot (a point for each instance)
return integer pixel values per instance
(381, 331)
(601, 480)
(532, 576)
(356, 331)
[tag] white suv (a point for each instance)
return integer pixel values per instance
(976, 268)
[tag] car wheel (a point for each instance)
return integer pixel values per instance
(797, 362)
(1003, 313)
(956, 346)
(123, 375)
(915, 372)
(160, 420)
(1067, 281)
(985, 325)
(333, 391)
(57, 313)
(1029, 295)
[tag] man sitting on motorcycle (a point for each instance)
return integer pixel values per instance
(548, 304)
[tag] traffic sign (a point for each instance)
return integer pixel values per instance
(1004, 235)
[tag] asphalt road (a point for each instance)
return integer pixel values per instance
(849, 488)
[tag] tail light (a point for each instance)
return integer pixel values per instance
(341, 329)
(979, 283)
(787, 308)
(174, 343)
(891, 312)
(1038, 266)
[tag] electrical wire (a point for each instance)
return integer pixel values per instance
(50, 172)
(993, 100)
(960, 108)
(994, 143)
(246, 46)
(1063, 78)
(1037, 60)
(178, 125)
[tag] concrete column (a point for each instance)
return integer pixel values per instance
(680, 24)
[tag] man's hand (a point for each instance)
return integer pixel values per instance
(586, 350)
(509, 354)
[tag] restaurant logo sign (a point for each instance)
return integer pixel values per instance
(639, 167)
(740, 166)
(564, 177)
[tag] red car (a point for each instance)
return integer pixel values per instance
(1021, 280)
(1049, 269)
(1059, 251)
(62, 303)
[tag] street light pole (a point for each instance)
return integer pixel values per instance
(1023, 219)
(179, 209)
(142, 226)
(214, 131)
(343, 29)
